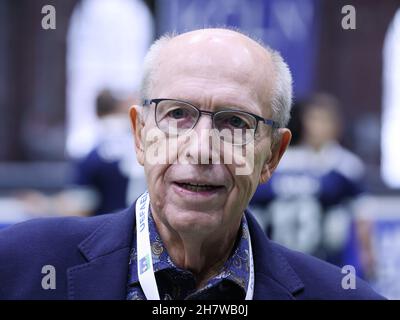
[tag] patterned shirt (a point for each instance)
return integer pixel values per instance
(179, 284)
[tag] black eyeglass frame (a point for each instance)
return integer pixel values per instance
(269, 122)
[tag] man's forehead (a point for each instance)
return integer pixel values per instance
(210, 53)
(212, 61)
(217, 40)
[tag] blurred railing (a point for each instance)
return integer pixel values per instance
(44, 176)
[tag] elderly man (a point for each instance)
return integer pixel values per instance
(189, 236)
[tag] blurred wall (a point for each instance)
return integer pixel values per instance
(33, 104)
(350, 66)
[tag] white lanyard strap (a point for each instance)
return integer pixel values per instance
(145, 269)
(250, 285)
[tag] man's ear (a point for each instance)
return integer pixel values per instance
(277, 150)
(137, 125)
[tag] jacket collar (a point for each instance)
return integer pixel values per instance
(104, 275)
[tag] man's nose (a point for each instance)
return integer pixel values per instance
(200, 147)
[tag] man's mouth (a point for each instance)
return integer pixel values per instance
(198, 187)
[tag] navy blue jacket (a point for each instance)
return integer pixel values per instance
(91, 257)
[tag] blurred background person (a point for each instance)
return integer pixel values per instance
(111, 170)
(305, 206)
(107, 179)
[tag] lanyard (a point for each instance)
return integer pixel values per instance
(145, 269)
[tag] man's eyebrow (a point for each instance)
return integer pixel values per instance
(238, 107)
(218, 106)
(229, 106)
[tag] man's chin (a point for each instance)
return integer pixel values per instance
(195, 222)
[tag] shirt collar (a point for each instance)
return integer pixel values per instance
(235, 269)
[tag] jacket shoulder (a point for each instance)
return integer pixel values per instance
(323, 280)
(27, 247)
(41, 233)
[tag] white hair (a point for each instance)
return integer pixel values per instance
(151, 63)
(281, 100)
(282, 92)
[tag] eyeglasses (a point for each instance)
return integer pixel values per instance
(179, 117)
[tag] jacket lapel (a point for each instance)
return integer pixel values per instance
(104, 274)
(106, 251)
(275, 279)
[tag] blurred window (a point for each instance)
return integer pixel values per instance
(390, 160)
(107, 41)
